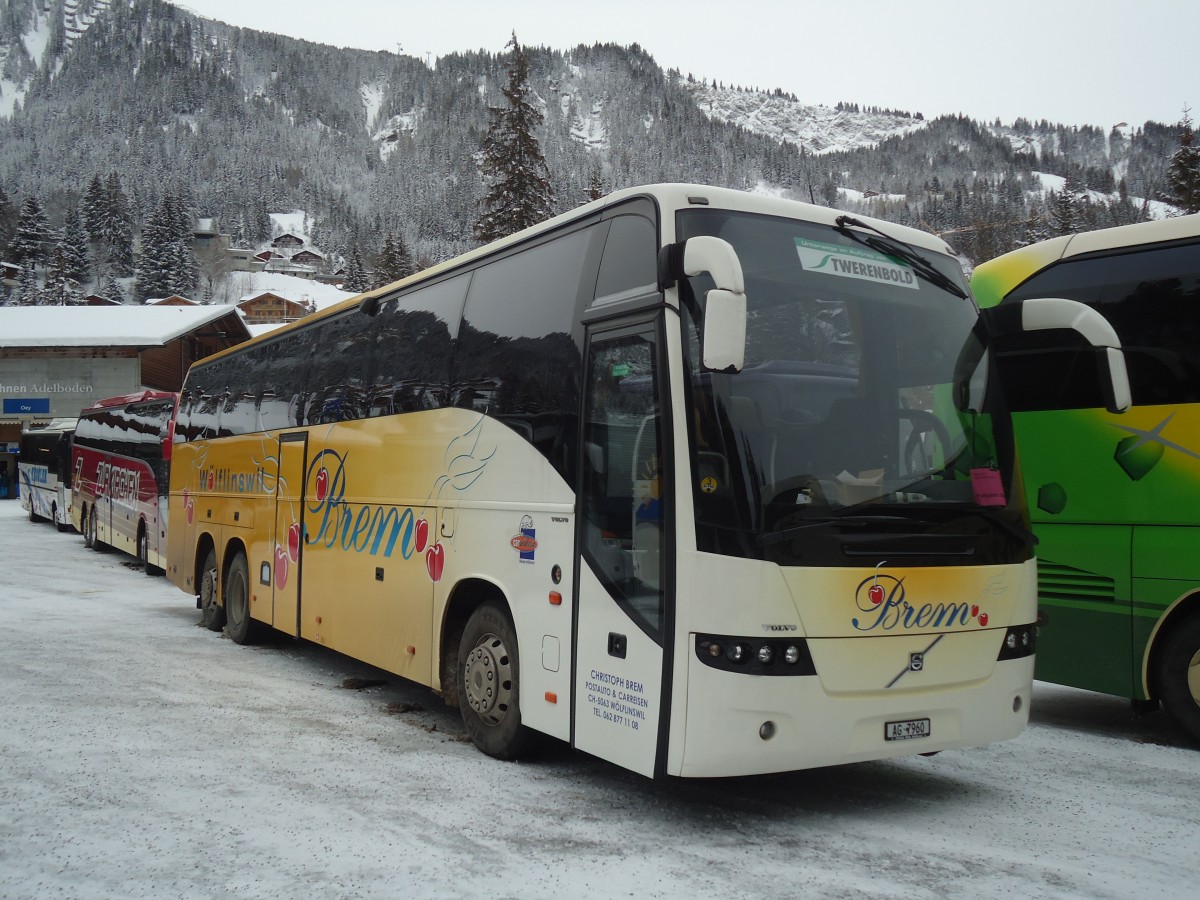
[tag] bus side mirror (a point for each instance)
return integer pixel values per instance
(1048, 313)
(723, 332)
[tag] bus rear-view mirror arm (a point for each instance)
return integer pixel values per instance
(723, 332)
(1046, 313)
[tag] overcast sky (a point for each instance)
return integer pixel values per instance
(1095, 62)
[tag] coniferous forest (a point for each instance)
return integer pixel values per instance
(123, 123)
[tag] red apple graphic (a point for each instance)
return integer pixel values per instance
(422, 537)
(293, 547)
(974, 611)
(875, 592)
(322, 484)
(435, 560)
(281, 567)
(983, 617)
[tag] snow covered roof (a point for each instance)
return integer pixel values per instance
(113, 326)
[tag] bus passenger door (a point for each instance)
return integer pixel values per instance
(623, 567)
(289, 532)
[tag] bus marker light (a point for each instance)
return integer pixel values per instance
(412, 651)
(551, 697)
(766, 730)
(791, 655)
(766, 654)
(318, 620)
(737, 653)
(714, 649)
(555, 598)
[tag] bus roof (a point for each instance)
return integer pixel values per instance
(994, 279)
(63, 424)
(671, 196)
(138, 397)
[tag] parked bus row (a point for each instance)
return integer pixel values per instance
(700, 482)
(105, 474)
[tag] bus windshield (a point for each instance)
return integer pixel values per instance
(843, 413)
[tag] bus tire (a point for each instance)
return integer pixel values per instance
(33, 517)
(93, 540)
(143, 552)
(236, 593)
(1179, 674)
(85, 525)
(60, 525)
(489, 687)
(212, 616)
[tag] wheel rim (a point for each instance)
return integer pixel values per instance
(1193, 677)
(143, 550)
(488, 679)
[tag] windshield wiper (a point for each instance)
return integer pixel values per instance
(890, 246)
(774, 537)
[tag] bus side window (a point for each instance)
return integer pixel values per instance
(630, 264)
(517, 359)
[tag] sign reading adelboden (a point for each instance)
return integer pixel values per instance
(854, 262)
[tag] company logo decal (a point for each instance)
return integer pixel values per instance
(859, 263)
(525, 542)
(377, 529)
(883, 603)
(1140, 453)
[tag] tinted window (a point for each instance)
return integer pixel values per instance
(517, 357)
(1151, 298)
(413, 345)
(630, 259)
(351, 366)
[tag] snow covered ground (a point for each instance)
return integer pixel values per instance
(143, 756)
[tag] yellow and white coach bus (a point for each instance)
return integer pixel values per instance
(673, 478)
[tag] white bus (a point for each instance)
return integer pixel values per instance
(675, 478)
(44, 472)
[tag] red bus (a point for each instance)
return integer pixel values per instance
(121, 458)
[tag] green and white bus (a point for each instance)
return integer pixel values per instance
(1114, 501)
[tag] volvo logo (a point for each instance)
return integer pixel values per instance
(916, 661)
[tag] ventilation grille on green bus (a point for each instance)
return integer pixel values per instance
(1061, 582)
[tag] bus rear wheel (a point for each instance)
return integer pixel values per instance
(236, 592)
(1179, 675)
(212, 616)
(489, 692)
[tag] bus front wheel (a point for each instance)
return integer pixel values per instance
(212, 616)
(143, 552)
(1179, 674)
(489, 692)
(93, 539)
(236, 591)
